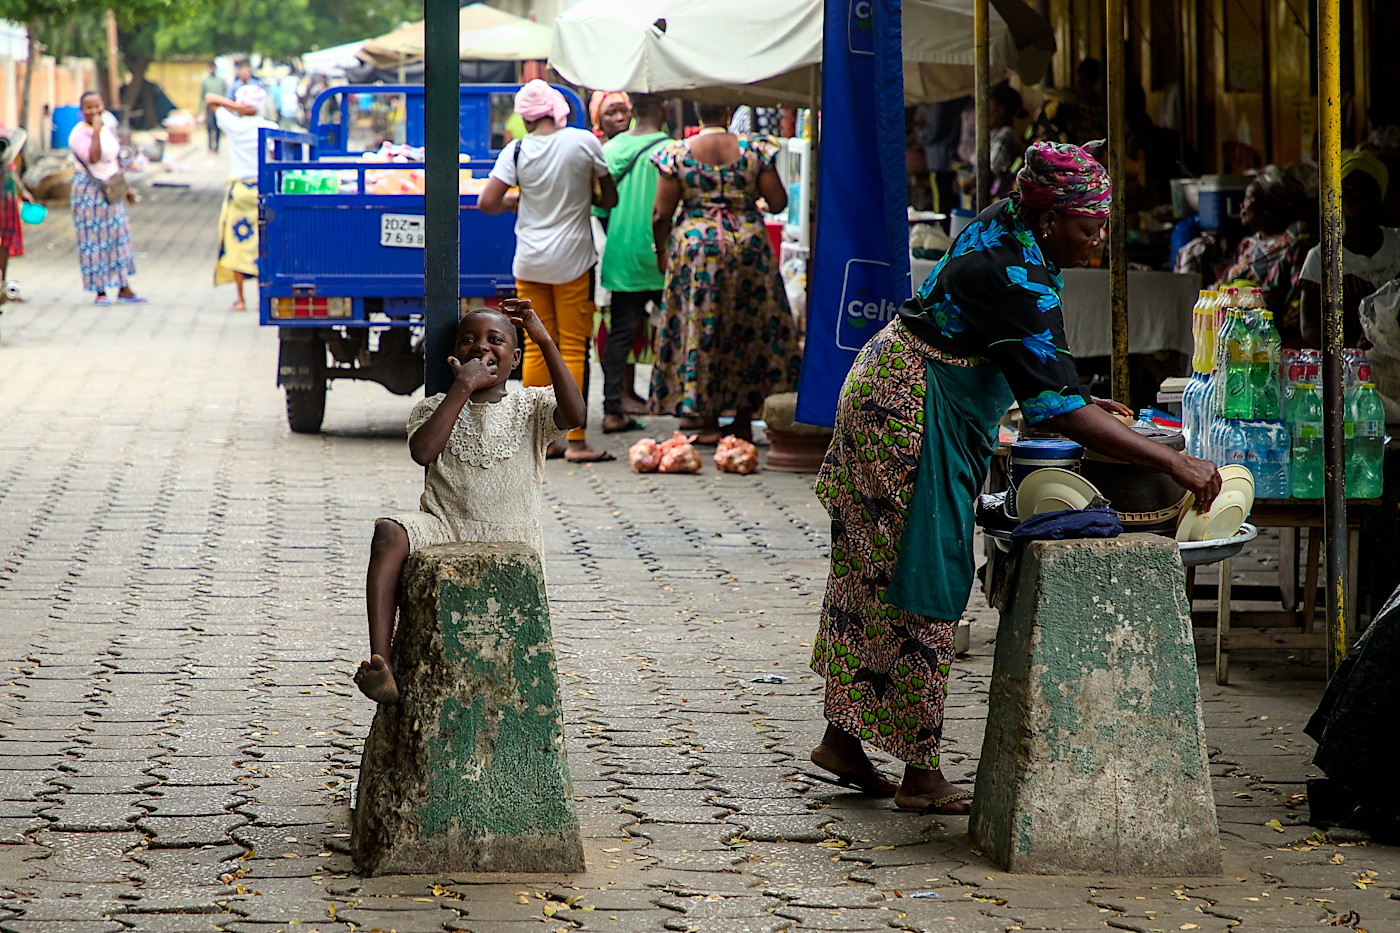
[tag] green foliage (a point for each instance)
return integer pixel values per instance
(278, 29)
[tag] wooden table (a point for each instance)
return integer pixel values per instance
(1288, 515)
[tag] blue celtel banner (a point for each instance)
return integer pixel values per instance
(860, 269)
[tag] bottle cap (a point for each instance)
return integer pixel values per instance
(1305, 385)
(1267, 315)
(1366, 385)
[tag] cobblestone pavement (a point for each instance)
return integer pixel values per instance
(180, 588)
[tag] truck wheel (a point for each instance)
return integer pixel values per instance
(306, 408)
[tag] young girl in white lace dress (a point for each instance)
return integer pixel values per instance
(484, 449)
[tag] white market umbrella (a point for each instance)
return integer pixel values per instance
(332, 61)
(764, 52)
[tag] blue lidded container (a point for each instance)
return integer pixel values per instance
(1031, 454)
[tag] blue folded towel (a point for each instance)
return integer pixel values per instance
(1070, 523)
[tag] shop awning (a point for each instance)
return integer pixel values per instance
(488, 34)
(765, 53)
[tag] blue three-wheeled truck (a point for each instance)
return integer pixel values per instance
(340, 269)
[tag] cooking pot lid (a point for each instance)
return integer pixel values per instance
(1046, 448)
(1171, 437)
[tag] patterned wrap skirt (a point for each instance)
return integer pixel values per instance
(11, 230)
(238, 231)
(104, 237)
(886, 669)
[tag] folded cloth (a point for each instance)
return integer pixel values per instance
(1093, 522)
(1069, 523)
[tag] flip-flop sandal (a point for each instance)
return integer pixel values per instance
(133, 300)
(632, 425)
(855, 782)
(935, 807)
(602, 457)
(102, 301)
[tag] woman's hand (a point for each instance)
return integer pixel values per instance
(130, 196)
(1199, 477)
(1112, 407)
(522, 314)
(474, 373)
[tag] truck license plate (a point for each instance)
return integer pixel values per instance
(401, 230)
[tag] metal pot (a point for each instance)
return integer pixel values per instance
(1145, 500)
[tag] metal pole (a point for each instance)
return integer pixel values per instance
(441, 133)
(981, 77)
(1329, 101)
(1117, 222)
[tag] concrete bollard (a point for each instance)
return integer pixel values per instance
(1094, 758)
(468, 771)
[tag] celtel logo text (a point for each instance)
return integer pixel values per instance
(861, 31)
(864, 309)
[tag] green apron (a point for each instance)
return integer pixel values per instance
(962, 406)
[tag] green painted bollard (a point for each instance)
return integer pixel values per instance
(468, 772)
(1094, 759)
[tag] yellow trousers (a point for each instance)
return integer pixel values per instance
(566, 311)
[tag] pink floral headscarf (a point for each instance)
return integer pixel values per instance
(1065, 177)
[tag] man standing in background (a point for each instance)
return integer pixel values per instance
(629, 268)
(212, 84)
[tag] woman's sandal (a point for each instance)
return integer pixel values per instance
(858, 782)
(936, 806)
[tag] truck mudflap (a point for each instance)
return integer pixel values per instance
(301, 359)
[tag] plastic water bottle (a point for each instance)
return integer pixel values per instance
(1195, 415)
(1272, 483)
(1235, 397)
(1234, 442)
(1255, 437)
(1203, 332)
(1365, 442)
(1305, 455)
(1264, 374)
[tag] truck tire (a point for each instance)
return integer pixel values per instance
(301, 371)
(306, 408)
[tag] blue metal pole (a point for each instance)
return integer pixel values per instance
(441, 252)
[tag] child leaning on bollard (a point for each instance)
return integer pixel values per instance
(484, 449)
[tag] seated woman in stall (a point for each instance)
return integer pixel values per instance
(1370, 252)
(1271, 257)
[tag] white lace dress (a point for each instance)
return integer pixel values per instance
(485, 485)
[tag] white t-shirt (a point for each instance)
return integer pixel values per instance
(553, 238)
(1377, 269)
(242, 133)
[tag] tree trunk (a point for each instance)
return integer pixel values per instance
(25, 86)
(136, 96)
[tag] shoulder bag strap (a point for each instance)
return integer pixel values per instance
(636, 156)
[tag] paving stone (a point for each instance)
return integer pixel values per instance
(185, 832)
(93, 812)
(174, 923)
(763, 828)
(21, 925)
(838, 920)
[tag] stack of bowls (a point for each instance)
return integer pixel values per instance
(1225, 515)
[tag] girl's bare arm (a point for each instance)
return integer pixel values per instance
(428, 442)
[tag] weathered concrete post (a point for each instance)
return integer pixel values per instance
(468, 772)
(1094, 758)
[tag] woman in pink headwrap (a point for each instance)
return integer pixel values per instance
(915, 429)
(557, 168)
(610, 113)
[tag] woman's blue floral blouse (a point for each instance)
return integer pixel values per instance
(994, 295)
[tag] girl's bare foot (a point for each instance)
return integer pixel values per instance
(376, 680)
(928, 791)
(581, 452)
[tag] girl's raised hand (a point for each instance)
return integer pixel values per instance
(474, 373)
(522, 314)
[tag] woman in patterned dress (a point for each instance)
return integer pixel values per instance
(726, 340)
(915, 429)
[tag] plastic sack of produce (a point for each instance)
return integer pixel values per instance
(736, 455)
(1380, 322)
